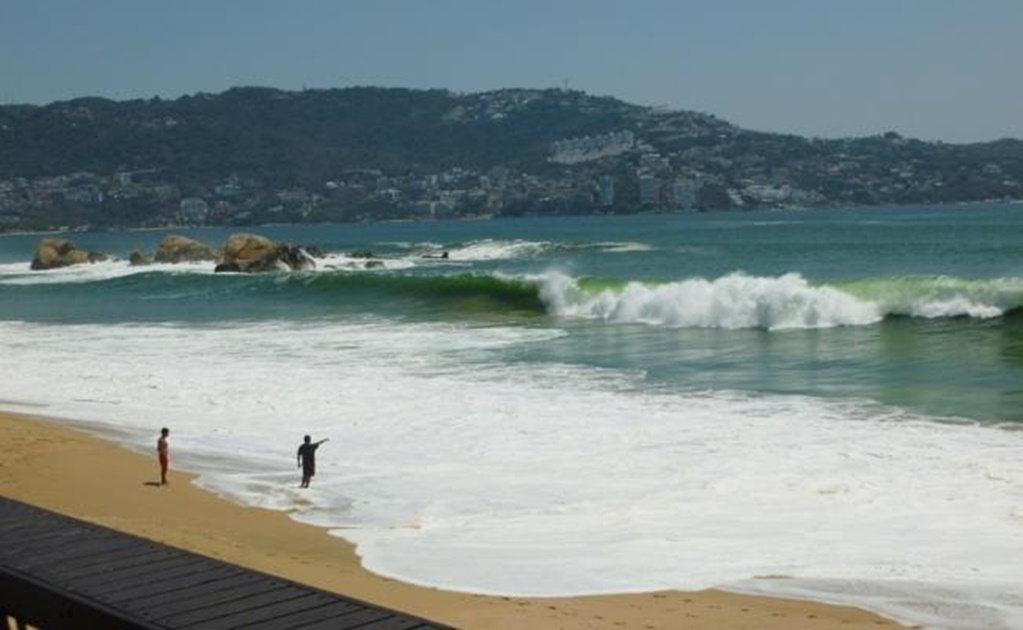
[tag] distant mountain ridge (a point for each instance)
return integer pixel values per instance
(311, 133)
(539, 151)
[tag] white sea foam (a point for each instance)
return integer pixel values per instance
(347, 262)
(938, 297)
(624, 248)
(21, 274)
(964, 606)
(490, 249)
(17, 268)
(732, 301)
(451, 469)
(494, 249)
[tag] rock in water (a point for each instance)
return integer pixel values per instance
(138, 258)
(244, 248)
(284, 258)
(252, 253)
(58, 252)
(176, 249)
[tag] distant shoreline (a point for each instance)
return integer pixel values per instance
(246, 228)
(256, 155)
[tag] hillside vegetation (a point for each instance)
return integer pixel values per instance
(258, 154)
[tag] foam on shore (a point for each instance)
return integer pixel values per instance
(453, 471)
(76, 474)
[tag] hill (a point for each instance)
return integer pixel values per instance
(251, 155)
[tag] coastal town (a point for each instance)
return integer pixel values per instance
(635, 160)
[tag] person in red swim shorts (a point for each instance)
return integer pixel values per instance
(163, 454)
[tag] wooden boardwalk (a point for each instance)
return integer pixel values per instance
(60, 572)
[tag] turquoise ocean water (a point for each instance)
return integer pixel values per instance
(578, 405)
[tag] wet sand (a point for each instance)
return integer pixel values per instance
(66, 470)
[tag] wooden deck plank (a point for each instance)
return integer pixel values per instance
(191, 593)
(198, 597)
(171, 585)
(111, 589)
(57, 564)
(280, 612)
(119, 592)
(129, 561)
(309, 615)
(40, 539)
(354, 619)
(248, 602)
(23, 524)
(96, 553)
(106, 580)
(131, 571)
(66, 570)
(65, 546)
(395, 623)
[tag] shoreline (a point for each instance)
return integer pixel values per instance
(73, 472)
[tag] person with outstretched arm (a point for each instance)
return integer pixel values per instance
(307, 458)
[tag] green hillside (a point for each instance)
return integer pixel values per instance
(260, 154)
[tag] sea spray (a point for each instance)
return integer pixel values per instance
(934, 297)
(733, 301)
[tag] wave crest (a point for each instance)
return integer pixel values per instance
(733, 301)
(941, 296)
(775, 303)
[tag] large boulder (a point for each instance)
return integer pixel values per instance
(252, 253)
(139, 258)
(242, 248)
(175, 249)
(284, 258)
(58, 252)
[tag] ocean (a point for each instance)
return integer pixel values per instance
(824, 404)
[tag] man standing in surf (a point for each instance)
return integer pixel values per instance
(307, 458)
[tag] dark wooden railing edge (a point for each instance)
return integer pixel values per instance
(34, 603)
(28, 601)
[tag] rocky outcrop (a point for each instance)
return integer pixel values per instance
(139, 258)
(56, 252)
(284, 258)
(176, 249)
(242, 248)
(252, 253)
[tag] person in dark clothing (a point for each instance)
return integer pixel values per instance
(307, 458)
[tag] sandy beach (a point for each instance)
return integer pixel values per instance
(72, 472)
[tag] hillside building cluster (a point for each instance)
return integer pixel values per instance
(651, 161)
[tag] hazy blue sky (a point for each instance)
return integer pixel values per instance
(932, 69)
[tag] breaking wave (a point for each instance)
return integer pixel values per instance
(789, 301)
(732, 301)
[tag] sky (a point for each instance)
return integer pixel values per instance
(945, 70)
